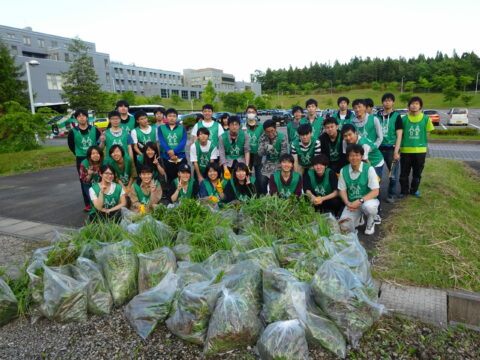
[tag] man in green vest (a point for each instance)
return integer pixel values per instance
(368, 126)
(292, 126)
(254, 131)
(320, 185)
(359, 189)
(216, 130)
(127, 121)
(80, 138)
(116, 135)
(344, 115)
(369, 104)
(412, 144)
(233, 146)
(391, 123)
(313, 118)
(173, 139)
(331, 144)
(148, 193)
(285, 182)
(305, 148)
(271, 147)
(202, 152)
(143, 133)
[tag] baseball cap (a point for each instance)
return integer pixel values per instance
(184, 168)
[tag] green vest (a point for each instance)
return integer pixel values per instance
(172, 137)
(125, 174)
(388, 129)
(140, 159)
(305, 157)
(83, 142)
(144, 138)
(357, 188)
(374, 156)
(213, 137)
(111, 140)
(342, 122)
(285, 191)
(96, 178)
(320, 189)
(203, 158)
(414, 134)
(236, 151)
(317, 126)
(241, 197)
(274, 156)
(335, 150)
(142, 197)
(130, 125)
(292, 132)
(212, 190)
(368, 129)
(182, 194)
(253, 137)
(109, 201)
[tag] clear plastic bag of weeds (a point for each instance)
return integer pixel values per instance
(222, 259)
(190, 273)
(242, 243)
(278, 285)
(35, 275)
(182, 252)
(146, 310)
(265, 256)
(192, 310)
(64, 298)
(346, 300)
(62, 236)
(283, 340)
(234, 324)
(224, 233)
(128, 215)
(153, 266)
(306, 267)
(164, 233)
(120, 266)
(183, 237)
(245, 278)
(332, 223)
(8, 304)
(229, 214)
(99, 299)
(288, 253)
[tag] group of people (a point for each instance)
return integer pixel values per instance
(337, 162)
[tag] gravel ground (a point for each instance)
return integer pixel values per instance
(15, 251)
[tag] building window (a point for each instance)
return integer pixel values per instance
(106, 62)
(14, 50)
(11, 36)
(27, 40)
(164, 93)
(54, 43)
(193, 94)
(185, 94)
(54, 56)
(67, 57)
(41, 43)
(175, 92)
(54, 82)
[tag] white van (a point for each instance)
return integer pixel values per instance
(457, 116)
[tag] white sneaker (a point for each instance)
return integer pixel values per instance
(377, 219)
(370, 230)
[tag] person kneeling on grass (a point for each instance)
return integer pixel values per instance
(107, 196)
(241, 186)
(286, 182)
(320, 185)
(212, 187)
(90, 170)
(183, 186)
(146, 192)
(359, 188)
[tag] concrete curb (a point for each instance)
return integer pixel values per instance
(454, 141)
(31, 230)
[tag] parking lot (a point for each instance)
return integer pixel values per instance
(473, 118)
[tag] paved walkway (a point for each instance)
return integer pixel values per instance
(465, 152)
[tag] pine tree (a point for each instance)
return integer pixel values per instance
(12, 88)
(80, 86)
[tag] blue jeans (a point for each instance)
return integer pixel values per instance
(387, 152)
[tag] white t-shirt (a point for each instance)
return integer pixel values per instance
(372, 177)
(193, 151)
(93, 196)
(208, 125)
(134, 136)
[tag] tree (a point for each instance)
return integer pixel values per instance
(464, 81)
(424, 84)
(450, 93)
(404, 97)
(129, 97)
(442, 82)
(467, 99)
(233, 101)
(11, 87)
(376, 85)
(209, 94)
(410, 86)
(260, 102)
(176, 99)
(80, 86)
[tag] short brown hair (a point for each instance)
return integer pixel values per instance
(251, 107)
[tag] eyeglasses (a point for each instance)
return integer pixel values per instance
(108, 173)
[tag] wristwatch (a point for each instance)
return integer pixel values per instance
(362, 200)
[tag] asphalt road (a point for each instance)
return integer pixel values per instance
(473, 118)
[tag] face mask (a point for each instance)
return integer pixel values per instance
(251, 116)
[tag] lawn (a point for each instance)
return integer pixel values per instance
(26, 161)
(434, 240)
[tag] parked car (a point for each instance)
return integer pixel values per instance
(101, 123)
(458, 116)
(219, 114)
(434, 116)
(279, 117)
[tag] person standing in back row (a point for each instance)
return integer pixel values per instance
(344, 115)
(313, 118)
(368, 126)
(216, 130)
(413, 146)
(127, 121)
(233, 146)
(80, 138)
(254, 132)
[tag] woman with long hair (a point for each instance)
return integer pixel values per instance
(241, 186)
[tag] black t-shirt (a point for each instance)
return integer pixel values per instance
(326, 143)
(71, 137)
(249, 189)
(172, 188)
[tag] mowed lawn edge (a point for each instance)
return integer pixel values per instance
(433, 241)
(45, 157)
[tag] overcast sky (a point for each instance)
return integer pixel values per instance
(241, 36)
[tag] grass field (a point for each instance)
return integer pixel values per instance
(433, 240)
(34, 160)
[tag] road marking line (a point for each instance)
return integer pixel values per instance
(478, 127)
(443, 126)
